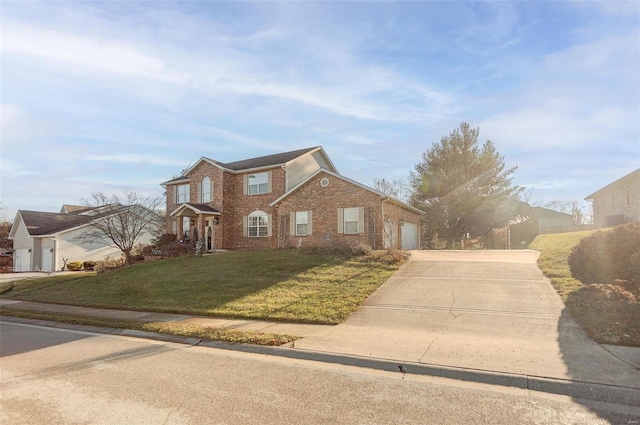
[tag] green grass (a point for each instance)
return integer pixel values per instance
(203, 332)
(609, 312)
(284, 285)
(554, 252)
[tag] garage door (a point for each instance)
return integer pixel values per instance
(47, 259)
(22, 261)
(409, 236)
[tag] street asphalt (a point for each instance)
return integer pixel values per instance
(485, 316)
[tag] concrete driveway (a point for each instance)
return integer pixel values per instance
(486, 310)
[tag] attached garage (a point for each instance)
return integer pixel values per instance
(409, 235)
(22, 260)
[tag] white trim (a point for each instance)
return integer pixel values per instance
(185, 206)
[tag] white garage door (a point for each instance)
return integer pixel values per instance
(22, 260)
(47, 259)
(409, 236)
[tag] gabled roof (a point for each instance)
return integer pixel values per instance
(196, 208)
(40, 223)
(70, 209)
(268, 161)
(632, 176)
(541, 212)
(331, 173)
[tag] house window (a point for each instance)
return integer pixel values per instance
(258, 183)
(627, 196)
(302, 223)
(182, 194)
(258, 225)
(351, 220)
(206, 190)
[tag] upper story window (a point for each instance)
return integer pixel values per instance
(206, 190)
(182, 193)
(258, 183)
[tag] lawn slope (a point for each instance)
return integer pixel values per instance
(286, 285)
(608, 311)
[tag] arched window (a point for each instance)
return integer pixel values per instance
(206, 190)
(258, 224)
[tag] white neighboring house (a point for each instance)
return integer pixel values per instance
(42, 241)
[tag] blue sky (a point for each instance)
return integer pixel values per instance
(104, 96)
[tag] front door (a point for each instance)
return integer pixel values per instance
(209, 233)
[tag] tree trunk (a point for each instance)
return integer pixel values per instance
(127, 256)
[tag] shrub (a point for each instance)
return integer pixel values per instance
(74, 266)
(361, 249)
(89, 265)
(607, 255)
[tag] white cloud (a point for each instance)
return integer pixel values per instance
(101, 54)
(135, 158)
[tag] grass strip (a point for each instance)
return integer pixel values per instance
(168, 328)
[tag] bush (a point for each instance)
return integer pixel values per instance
(74, 266)
(361, 249)
(89, 265)
(607, 255)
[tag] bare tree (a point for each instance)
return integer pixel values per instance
(569, 207)
(398, 188)
(122, 220)
(5, 228)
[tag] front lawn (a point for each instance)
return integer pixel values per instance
(286, 285)
(608, 311)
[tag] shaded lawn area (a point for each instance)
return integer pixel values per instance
(286, 285)
(608, 311)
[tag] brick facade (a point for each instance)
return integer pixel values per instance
(323, 201)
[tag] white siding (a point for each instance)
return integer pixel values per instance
(70, 248)
(301, 168)
(21, 238)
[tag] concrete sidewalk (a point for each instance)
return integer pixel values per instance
(295, 329)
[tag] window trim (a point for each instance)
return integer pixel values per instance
(294, 223)
(248, 224)
(342, 221)
(352, 210)
(260, 190)
(205, 184)
(186, 197)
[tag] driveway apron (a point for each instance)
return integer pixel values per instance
(486, 310)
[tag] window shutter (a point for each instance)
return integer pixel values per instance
(245, 184)
(245, 225)
(269, 182)
(199, 199)
(269, 233)
(211, 190)
(174, 194)
(309, 225)
(292, 224)
(361, 220)
(340, 220)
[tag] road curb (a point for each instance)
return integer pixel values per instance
(576, 389)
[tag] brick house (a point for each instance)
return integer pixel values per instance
(291, 199)
(618, 202)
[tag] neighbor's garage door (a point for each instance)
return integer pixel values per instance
(409, 235)
(22, 261)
